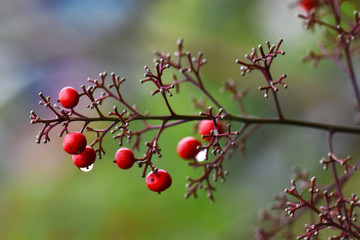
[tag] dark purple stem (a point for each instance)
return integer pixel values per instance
(336, 177)
(351, 72)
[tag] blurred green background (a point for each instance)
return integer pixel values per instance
(46, 45)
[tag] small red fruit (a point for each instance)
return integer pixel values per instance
(68, 97)
(74, 142)
(124, 158)
(307, 5)
(86, 158)
(205, 126)
(158, 181)
(187, 147)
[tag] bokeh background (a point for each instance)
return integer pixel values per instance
(46, 45)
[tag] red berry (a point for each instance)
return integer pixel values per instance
(84, 159)
(68, 97)
(124, 158)
(307, 5)
(158, 181)
(187, 147)
(205, 126)
(74, 142)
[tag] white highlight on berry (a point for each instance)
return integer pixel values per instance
(88, 168)
(201, 156)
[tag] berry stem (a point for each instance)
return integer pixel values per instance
(351, 72)
(178, 119)
(334, 4)
(339, 192)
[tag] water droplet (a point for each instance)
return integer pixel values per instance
(87, 169)
(201, 156)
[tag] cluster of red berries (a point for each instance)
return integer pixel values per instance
(75, 143)
(84, 156)
(157, 181)
(189, 147)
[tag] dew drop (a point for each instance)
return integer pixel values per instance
(87, 169)
(201, 156)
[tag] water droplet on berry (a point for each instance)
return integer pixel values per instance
(201, 156)
(87, 169)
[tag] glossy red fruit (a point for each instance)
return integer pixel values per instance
(205, 126)
(124, 158)
(187, 147)
(307, 5)
(158, 181)
(74, 142)
(86, 158)
(68, 97)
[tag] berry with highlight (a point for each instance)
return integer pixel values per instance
(74, 142)
(308, 5)
(187, 147)
(124, 158)
(159, 181)
(206, 126)
(86, 158)
(68, 97)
